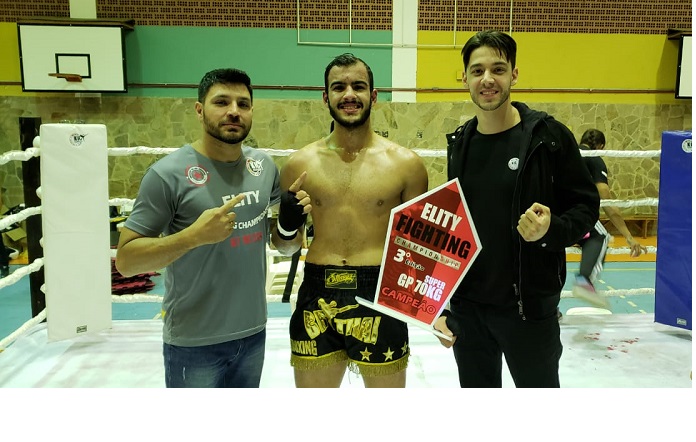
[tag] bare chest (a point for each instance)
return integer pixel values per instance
(368, 184)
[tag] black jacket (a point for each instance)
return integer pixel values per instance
(552, 173)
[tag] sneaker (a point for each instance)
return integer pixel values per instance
(583, 289)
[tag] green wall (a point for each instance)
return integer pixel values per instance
(181, 55)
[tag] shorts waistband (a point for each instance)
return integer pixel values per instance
(341, 277)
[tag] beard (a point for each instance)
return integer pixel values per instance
(347, 123)
(217, 132)
(491, 105)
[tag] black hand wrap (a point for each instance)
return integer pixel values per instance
(291, 216)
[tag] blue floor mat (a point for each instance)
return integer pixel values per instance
(15, 300)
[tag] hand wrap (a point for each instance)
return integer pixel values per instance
(291, 216)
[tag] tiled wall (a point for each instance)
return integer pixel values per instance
(291, 124)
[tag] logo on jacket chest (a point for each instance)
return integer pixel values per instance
(514, 163)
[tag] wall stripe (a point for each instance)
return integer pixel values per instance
(404, 59)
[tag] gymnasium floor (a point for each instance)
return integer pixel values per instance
(624, 349)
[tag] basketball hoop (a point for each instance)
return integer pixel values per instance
(73, 78)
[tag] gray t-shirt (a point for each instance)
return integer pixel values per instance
(214, 293)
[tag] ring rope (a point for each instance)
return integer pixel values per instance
(156, 298)
(19, 155)
(19, 216)
(21, 272)
(616, 292)
(612, 250)
(26, 326)
(641, 202)
(121, 202)
(125, 151)
(136, 297)
(621, 153)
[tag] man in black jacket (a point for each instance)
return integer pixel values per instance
(530, 197)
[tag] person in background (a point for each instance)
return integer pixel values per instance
(594, 243)
(530, 196)
(355, 178)
(201, 213)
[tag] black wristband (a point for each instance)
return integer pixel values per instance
(291, 215)
(287, 236)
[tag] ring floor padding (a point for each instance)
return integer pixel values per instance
(621, 350)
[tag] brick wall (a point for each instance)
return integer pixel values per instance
(568, 16)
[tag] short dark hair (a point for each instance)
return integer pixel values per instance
(500, 41)
(344, 60)
(592, 138)
(223, 76)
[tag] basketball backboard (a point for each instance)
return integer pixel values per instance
(72, 57)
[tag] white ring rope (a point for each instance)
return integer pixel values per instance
(641, 202)
(19, 216)
(125, 151)
(615, 292)
(19, 155)
(439, 153)
(611, 250)
(269, 252)
(136, 297)
(121, 202)
(443, 153)
(620, 153)
(155, 298)
(21, 272)
(26, 326)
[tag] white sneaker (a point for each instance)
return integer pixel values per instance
(583, 289)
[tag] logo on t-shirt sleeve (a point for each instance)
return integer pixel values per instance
(255, 167)
(197, 175)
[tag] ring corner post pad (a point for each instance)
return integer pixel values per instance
(401, 317)
(75, 217)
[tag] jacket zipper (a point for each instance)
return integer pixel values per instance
(518, 286)
(519, 302)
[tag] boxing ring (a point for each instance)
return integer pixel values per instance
(600, 350)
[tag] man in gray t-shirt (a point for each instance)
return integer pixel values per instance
(202, 213)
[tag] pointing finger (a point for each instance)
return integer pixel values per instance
(227, 207)
(297, 185)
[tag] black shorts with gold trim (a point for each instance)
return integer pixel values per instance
(328, 325)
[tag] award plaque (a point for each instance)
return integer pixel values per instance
(430, 245)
